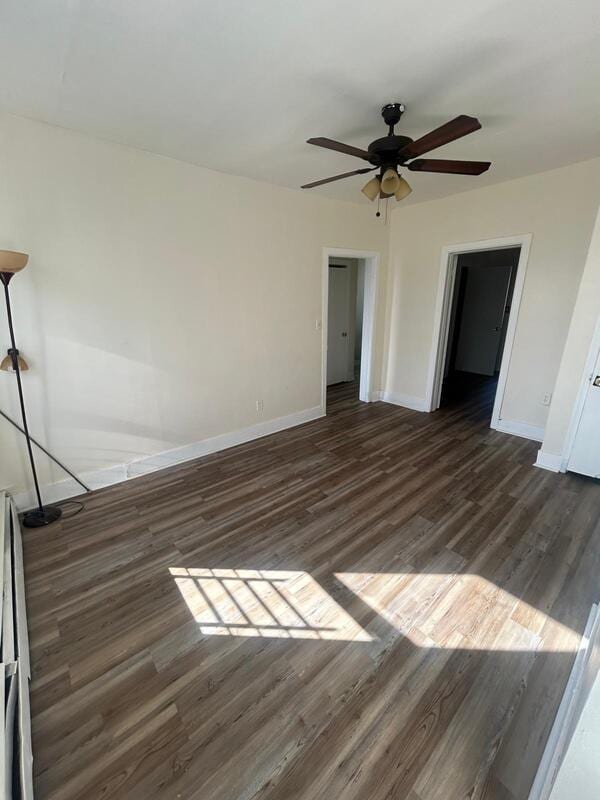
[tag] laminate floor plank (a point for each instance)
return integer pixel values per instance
(378, 605)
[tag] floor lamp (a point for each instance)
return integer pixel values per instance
(10, 263)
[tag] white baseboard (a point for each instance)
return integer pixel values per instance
(570, 707)
(62, 490)
(372, 397)
(53, 493)
(405, 400)
(549, 461)
(523, 429)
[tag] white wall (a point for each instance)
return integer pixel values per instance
(586, 316)
(558, 208)
(161, 300)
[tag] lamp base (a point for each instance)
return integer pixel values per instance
(39, 517)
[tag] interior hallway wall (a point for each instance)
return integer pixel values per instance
(486, 273)
(586, 317)
(161, 300)
(558, 208)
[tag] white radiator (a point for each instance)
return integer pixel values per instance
(16, 761)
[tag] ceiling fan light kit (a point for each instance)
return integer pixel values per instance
(403, 189)
(372, 188)
(393, 151)
(390, 181)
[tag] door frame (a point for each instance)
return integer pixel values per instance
(367, 351)
(582, 392)
(448, 263)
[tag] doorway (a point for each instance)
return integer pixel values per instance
(344, 320)
(349, 300)
(480, 292)
(480, 309)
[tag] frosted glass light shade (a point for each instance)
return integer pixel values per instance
(371, 188)
(389, 182)
(403, 189)
(11, 261)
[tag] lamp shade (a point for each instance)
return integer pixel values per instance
(371, 188)
(11, 261)
(389, 182)
(403, 189)
(7, 363)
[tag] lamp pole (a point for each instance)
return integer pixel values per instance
(42, 515)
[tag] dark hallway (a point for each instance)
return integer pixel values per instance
(459, 387)
(480, 310)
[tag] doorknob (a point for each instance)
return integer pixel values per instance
(497, 329)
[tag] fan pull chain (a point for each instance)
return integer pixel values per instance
(378, 214)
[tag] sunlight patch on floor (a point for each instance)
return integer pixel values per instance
(267, 603)
(445, 610)
(440, 606)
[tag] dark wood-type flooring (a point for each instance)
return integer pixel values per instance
(379, 604)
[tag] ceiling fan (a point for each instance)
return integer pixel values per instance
(393, 151)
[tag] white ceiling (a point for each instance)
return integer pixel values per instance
(239, 85)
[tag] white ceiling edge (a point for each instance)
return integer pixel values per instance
(153, 154)
(239, 87)
(368, 205)
(399, 206)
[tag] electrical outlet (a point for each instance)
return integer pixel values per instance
(259, 405)
(547, 399)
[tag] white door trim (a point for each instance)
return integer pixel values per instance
(367, 355)
(584, 387)
(437, 356)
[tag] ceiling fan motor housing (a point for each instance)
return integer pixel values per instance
(385, 150)
(391, 113)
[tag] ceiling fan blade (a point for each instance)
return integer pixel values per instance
(460, 126)
(338, 177)
(331, 144)
(454, 167)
